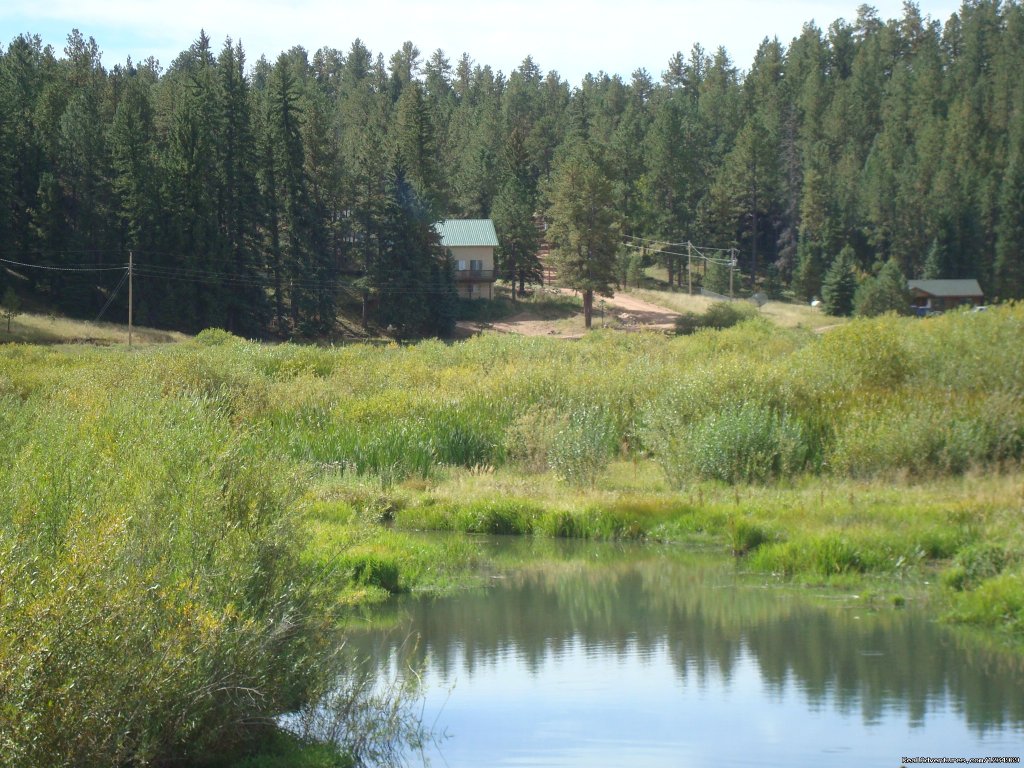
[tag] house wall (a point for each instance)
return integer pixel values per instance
(925, 301)
(468, 253)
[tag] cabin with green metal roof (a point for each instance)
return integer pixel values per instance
(931, 296)
(471, 243)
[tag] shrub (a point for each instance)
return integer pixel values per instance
(529, 437)
(498, 516)
(885, 293)
(975, 564)
(827, 555)
(583, 447)
(747, 444)
(927, 436)
(747, 536)
(370, 569)
(152, 604)
(997, 602)
(215, 337)
(720, 315)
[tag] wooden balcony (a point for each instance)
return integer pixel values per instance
(475, 276)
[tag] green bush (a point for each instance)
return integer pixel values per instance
(720, 315)
(975, 564)
(370, 569)
(996, 603)
(926, 436)
(152, 604)
(747, 536)
(498, 516)
(827, 555)
(749, 443)
(583, 447)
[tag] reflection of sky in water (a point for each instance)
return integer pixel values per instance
(604, 707)
(651, 657)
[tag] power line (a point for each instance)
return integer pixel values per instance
(113, 295)
(64, 269)
(709, 259)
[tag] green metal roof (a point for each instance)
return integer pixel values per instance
(467, 232)
(946, 287)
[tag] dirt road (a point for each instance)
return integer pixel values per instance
(622, 311)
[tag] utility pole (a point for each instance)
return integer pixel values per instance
(131, 262)
(732, 269)
(689, 267)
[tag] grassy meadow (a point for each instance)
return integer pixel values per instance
(184, 528)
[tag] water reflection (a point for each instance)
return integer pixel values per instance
(600, 620)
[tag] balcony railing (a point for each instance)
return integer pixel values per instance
(475, 275)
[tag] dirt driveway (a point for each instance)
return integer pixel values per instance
(622, 311)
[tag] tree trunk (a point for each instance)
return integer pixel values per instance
(588, 308)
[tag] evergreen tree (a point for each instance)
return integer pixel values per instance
(886, 292)
(414, 281)
(415, 150)
(190, 179)
(840, 285)
(718, 276)
(239, 207)
(10, 306)
(936, 262)
(1009, 261)
(310, 283)
(583, 228)
(674, 180)
(518, 238)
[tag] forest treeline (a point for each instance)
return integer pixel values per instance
(263, 198)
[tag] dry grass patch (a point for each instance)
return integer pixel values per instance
(52, 329)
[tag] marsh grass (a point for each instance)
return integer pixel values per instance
(182, 525)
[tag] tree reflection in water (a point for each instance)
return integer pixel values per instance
(615, 600)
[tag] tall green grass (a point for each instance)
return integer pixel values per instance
(157, 595)
(152, 605)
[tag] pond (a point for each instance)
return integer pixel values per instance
(604, 655)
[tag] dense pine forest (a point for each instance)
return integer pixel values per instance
(267, 197)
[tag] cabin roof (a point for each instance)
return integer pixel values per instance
(947, 288)
(467, 232)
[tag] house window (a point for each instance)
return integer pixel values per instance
(461, 265)
(476, 265)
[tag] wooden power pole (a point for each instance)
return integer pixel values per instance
(131, 262)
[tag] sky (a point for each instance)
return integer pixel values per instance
(573, 38)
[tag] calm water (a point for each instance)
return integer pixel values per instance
(613, 656)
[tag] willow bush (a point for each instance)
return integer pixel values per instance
(156, 594)
(152, 606)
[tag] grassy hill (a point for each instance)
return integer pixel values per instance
(29, 328)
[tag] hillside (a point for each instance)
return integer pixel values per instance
(30, 328)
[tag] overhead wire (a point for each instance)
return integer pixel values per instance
(54, 268)
(113, 295)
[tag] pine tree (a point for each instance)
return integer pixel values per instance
(309, 285)
(415, 150)
(238, 201)
(518, 238)
(1009, 261)
(414, 280)
(190, 178)
(887, 292)
(840, 285)
(583, 227)
(718, 276)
